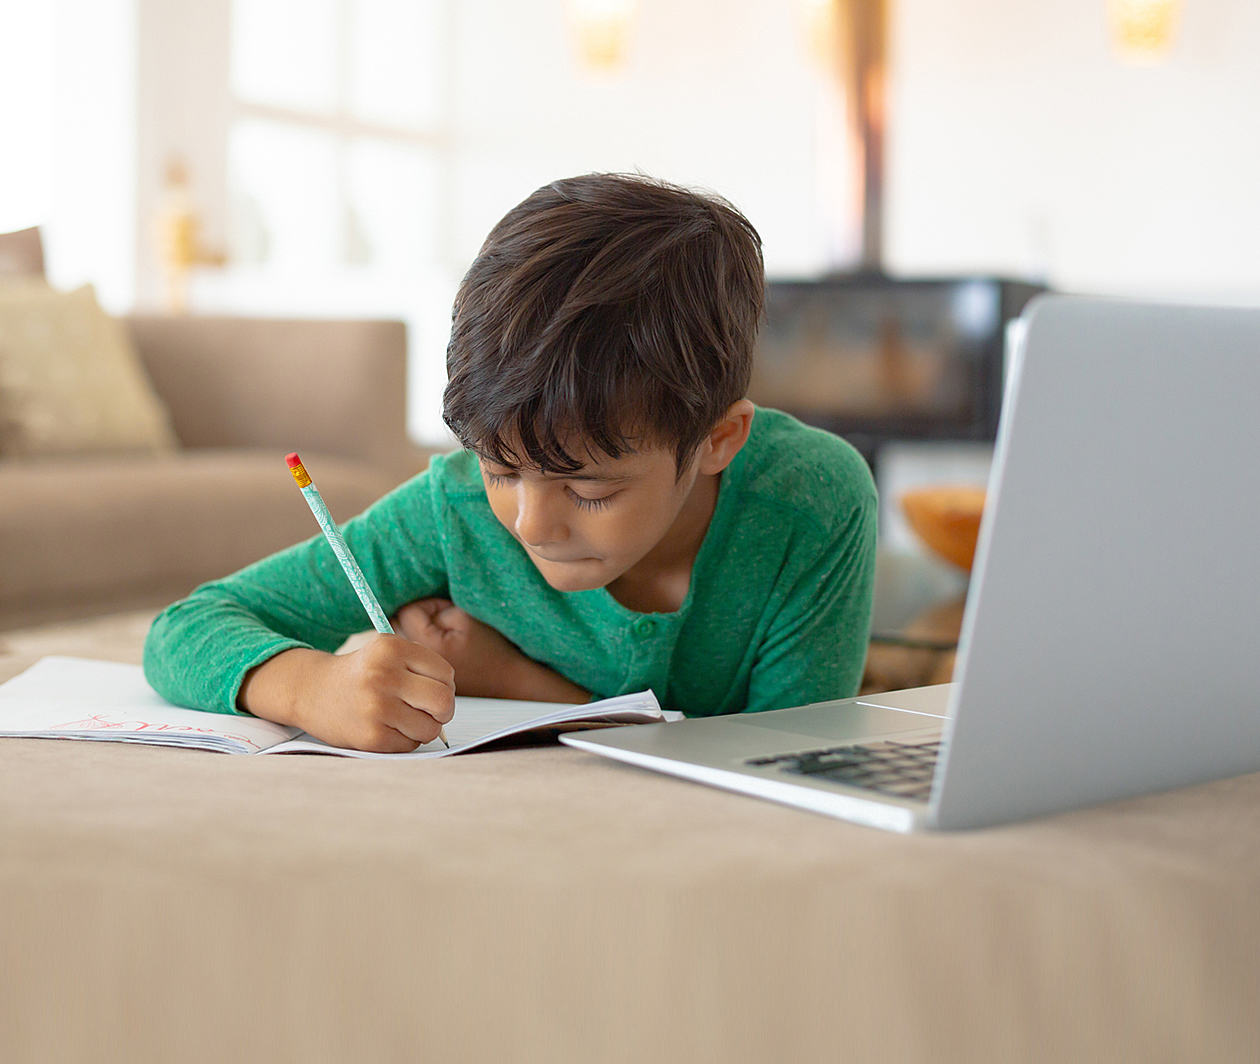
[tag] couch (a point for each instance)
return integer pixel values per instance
(91, 534)
(544, 904)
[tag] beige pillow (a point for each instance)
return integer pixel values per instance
(70, 380)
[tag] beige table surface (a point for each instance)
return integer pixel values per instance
(547, 905)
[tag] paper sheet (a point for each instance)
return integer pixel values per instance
(479, 721)
(76, 698)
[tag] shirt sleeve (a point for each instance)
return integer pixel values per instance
(815, 646)
(200, 648)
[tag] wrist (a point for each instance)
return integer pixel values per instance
(274, 690)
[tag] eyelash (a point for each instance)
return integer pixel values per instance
(583, 503)
(580, 501)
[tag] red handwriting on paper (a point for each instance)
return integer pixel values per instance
(97, 722)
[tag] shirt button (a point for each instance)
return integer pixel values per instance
(644, 626)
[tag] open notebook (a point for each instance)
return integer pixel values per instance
(76, 698)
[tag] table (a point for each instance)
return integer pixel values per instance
(547, 905)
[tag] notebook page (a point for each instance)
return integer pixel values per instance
(76, 698)
(478, 721)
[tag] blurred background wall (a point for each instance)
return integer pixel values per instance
(347, 156)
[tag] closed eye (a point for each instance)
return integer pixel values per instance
(583, 503)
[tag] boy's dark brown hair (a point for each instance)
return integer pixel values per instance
(606, 311)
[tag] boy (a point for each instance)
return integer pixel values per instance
(621, 516)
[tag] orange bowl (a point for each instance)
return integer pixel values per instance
(947, 519)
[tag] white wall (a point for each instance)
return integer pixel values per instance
(712, 93)
(1020, 143)
(26, 86)
(705, 97)
(90, 232)
(181, 113)
(1017, 143)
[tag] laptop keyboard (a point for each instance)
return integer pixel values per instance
(891, 767)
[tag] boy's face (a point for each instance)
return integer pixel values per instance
(586, 529)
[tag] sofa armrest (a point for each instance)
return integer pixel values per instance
(337, 387)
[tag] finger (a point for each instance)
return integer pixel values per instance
(413, 618)
(391, 740)
(427, 695)
(432, 606)
(420, 660)
(451, 618)
(421, 627)
(415, 724)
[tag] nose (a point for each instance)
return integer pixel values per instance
(538, 522)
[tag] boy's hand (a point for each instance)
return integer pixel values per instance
(389, 696)
(483, 660)
(486, 664)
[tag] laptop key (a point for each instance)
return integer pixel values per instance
(900, 769)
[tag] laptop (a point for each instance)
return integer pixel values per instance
(1110, 638)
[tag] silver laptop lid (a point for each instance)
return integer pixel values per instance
(1111, 642)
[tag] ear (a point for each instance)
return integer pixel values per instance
(726, 438)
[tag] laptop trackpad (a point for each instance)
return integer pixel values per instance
(846, 721)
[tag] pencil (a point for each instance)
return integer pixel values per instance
(335, 540)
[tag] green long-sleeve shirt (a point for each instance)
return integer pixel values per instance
(777, 614)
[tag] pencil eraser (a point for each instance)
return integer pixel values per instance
(300, 476)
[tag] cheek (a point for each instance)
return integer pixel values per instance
(609, 533)
(629, 531)
(502, 506)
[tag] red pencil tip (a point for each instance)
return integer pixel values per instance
(293, 460)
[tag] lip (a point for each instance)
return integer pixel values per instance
(559, 561)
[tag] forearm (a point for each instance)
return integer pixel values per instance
(199, 649)
(531, 681)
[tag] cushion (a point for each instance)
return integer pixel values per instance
(70, 381)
